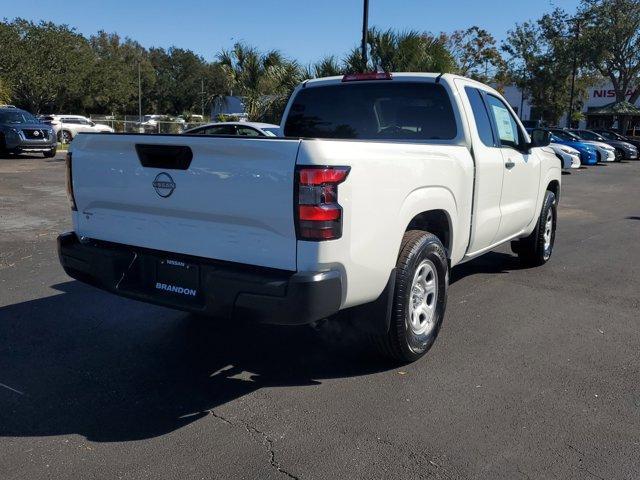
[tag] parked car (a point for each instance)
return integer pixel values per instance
(21, 132)
(606, 153)
(588, 152)
(381, 184)
(613, 135)
(71, 125)
(569, 156)
(161, 124)
(236, 128)
(624, 150)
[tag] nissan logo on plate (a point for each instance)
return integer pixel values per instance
(164, 185)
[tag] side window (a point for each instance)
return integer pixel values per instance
(248, 132)
(483, 122)
(508, 131)
(219, 130)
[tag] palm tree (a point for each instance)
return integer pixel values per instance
(263, 81)
(408, 51)
(326, 67)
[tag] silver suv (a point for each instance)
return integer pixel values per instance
(21, 132)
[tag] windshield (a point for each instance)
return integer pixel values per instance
(612, 136)
(373, 111)
(17, 117)
(564, 135)
(589, 135)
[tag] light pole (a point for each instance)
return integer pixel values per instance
(139, 95)
(365, 31)
(202, 95)
(573, 73)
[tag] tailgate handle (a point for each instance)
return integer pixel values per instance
(167, 157)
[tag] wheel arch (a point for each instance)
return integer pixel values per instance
(554, 186)
(435, 221)
(431, 209)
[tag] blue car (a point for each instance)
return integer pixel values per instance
(588, 153)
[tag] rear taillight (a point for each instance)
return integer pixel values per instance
(72, 200)
(318, 213)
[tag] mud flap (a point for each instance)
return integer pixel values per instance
(374, 317)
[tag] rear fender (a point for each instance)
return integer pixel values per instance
(428, 199)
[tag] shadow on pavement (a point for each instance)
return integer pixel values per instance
(492, 263)
(89, 363)
(110, 369)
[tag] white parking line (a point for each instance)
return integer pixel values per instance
(12, 389)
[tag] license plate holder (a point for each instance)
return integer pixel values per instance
(177, 278)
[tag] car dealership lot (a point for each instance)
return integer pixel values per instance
(535, 373)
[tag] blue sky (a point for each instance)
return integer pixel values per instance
(304, 30)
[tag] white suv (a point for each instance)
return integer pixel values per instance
(68, 126)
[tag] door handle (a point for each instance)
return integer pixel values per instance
(509, 164)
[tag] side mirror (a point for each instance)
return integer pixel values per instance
(540, 138)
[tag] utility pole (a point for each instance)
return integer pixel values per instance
(365, 31)
(202, 95)
(573, 73)
(139, 95)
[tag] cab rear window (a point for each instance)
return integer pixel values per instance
(373, 111)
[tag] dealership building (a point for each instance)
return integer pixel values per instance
(600, 108)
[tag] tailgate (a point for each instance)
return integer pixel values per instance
(233, 201)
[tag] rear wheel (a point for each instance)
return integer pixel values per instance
(3, 147)
(419, 299)
(65, 136)
(536, 249)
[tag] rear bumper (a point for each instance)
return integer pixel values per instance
(225, 290)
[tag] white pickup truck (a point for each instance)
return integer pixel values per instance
(380, 185)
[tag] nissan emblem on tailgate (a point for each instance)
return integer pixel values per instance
(164, 185)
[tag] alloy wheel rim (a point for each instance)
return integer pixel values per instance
(423, 299)
(548, 233)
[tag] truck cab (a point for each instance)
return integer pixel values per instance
(380, 184)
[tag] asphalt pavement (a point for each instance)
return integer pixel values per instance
(535, 374)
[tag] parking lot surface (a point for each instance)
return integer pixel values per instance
(535, 373)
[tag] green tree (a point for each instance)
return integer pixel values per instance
(540, 63)
(114, 76)
(408, 51)
(187, 73)
(476, 53)
(610, 40)
(5, 93)
(610, 37)
(264, 81)
(45, 65)
(326, 67)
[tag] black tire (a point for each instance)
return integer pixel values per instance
(65, 136)
(532, 250)
(619, 155)
(3, 147)
(402, 343)
(51, 153)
